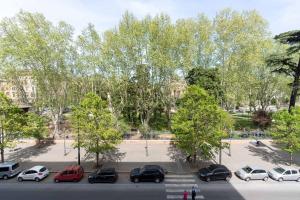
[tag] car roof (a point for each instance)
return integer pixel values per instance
(217, 166)
(37, 168)
(152, 166)
(254, 167)
(7, 164)
(107, 169)
(73, 167)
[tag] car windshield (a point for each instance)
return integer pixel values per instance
(279, 170)
(247, 169)
(43, 169)
(211, 168)
(15, 166)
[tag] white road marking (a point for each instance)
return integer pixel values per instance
(180, 190)
(181, 197)
(180, 185)
(179, 176)
(180, 180)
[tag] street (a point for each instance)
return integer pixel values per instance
(171, 188)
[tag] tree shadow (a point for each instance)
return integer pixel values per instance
(27, 152)
(272, 153)
(179, 156)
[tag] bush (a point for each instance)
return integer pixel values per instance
(262, 119)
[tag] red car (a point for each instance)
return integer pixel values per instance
(71, 173)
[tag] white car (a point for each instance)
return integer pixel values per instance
(36, 173)
(285, 174)
(248, 173)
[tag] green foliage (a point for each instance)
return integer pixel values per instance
(208, 79)
(243, 122)
(97, 125)
(11, 124)
(286, 130)
(35, 126)
(287, 62)
(200, 124)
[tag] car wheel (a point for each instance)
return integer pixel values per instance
(20, 179)
(157, 180)
(298, 180)
(266, 178)
(247, 179)
(75, 180)
(37, 179)
(208, 179)
(280, 179)
(5, 177)
(56, 180)
(227, 179)
(136, 180)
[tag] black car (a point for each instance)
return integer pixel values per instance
(148, 173)
(105, 175)
(215, 172)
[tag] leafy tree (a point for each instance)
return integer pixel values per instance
(286, 130)
(97, 126)
(29, 42)
(288, 62)
(35, 126)
(200, 124)
(11, 123)
(262, 119)
(208, 79)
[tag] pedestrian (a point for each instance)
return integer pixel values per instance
(193, 193)
(185, 195)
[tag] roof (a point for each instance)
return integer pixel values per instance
(73, 167)
(37, 168)
(7, 163)
(108, 169)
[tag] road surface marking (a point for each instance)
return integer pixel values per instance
(181, 197)
(180, 180)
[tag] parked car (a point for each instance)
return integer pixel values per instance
(148, 173)
(215, 172)
(9, 169)
(105, 175)
(36, 173)
(284, 174)
(248, 173)
(70, 173)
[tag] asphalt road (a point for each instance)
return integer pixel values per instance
(172, 188)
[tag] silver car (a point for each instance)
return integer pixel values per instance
(285, 174)
(248, 173)
(36, 173)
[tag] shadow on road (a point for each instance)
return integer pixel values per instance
(272, 153)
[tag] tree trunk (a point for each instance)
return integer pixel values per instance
(2, 154)
(291, 158)
(2, 143)
(295, 87)
(195, 157)
(97, 159)
(220, 155)
(168, 114)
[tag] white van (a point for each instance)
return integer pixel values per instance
(9, 169)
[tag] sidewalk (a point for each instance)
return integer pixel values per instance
(135, 153)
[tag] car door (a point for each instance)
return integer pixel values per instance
(287, 175)
(69, 175)
(294, 175)
(255, 174)
(219, 174)
(102, 177)
(147, 175)
(29, 175)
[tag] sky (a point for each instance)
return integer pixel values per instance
(282, 15)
